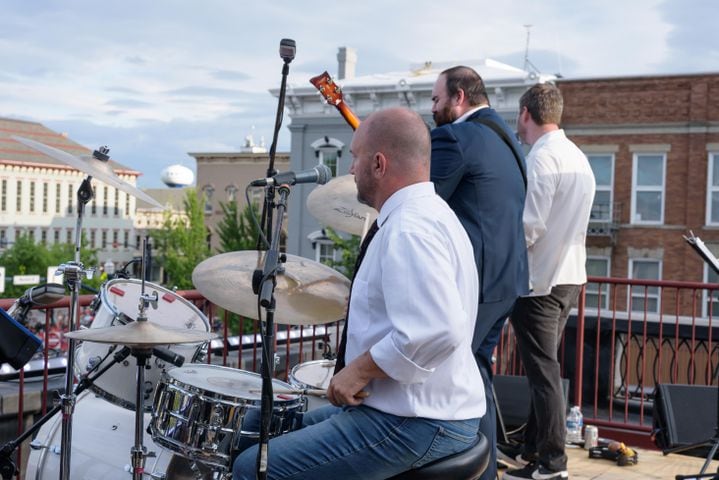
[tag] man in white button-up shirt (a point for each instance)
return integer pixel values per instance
(410, 323)
(560, 192)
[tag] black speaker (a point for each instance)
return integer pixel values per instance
(17, 343)
(512, 392)
(684, 414)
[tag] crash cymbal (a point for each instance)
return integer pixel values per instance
(307, 292)
(91, 166)
(335, 205)
(141, 334)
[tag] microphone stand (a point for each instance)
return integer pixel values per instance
(265, 288)
(73, 273)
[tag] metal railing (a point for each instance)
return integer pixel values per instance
(624, 338)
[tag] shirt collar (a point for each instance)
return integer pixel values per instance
(470, 112)
(415, 190)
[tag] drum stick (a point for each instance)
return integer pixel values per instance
(310, 392)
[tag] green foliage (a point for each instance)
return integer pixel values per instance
(236, 230)
(182, 242)
(348, 249)
(25, 257)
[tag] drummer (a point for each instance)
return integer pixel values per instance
(410, 323)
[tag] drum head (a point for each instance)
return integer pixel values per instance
(225, 382)
(314, 374)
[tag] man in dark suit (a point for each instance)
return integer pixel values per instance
(478, 168)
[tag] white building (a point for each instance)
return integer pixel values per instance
(38, 196)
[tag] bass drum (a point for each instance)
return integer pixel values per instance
(118, 305)
(102, 436)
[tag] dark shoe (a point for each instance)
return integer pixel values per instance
(534, 471)
(512, 456)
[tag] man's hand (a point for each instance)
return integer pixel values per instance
(346, 387)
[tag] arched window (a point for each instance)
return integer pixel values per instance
(324, 247)
(329, 152)
(231, 191)
(207, 192)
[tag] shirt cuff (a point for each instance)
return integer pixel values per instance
(395, 364)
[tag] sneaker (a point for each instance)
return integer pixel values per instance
(512, 456)
(534, 471)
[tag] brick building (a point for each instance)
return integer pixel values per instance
(653, 143)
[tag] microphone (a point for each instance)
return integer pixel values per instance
(319, 174)
(288, 49)
(169, 356)
(40, 295)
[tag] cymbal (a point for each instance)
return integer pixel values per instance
(307, 292)
(91, 166)
(335, 205)
(141, 334)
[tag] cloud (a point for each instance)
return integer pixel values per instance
(202, 91)
(128, 103)
(231, 75)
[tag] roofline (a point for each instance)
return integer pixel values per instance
(637, 77)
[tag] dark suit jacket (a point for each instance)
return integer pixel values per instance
(476, 173)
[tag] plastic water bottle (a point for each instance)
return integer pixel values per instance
(575, 422)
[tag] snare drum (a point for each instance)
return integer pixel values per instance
(119, 299)
(208, 412)
(311, 375)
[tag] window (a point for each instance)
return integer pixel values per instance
(45, 193)
(93, 238)
(32, 197)
(3, 238)
(56, 236)
(603, 169)
(645, 269)
(31, 234)
(18, 197)
(68, 236)
(713, 190)
(115, 238)
(3, 196)
(323, 246)
(104, 239)
(105, 199)
(117, 202)
(126, 242)
(710, 305)
(58, 192)
(207, 192)
(328, 152)
(93, 205)
(127, 204)
(43, 236)
(69, 198)
(231, 191)
(648, 173)
(597, 295)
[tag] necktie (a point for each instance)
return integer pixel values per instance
(363, 249)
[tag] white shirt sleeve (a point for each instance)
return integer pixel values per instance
(422, 306)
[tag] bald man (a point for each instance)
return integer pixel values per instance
(410, 323)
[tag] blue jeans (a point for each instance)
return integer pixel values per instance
(357, 443)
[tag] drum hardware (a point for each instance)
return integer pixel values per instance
(8, 468)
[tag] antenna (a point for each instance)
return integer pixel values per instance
(528, 66)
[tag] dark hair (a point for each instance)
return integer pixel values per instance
(466, 79)
(544, 103)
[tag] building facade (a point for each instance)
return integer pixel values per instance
(38, 196)
(653, 142)
(319, 134)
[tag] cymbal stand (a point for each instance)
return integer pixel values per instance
(7, 466)
(138, 452)
(73, 273)
(265, 287)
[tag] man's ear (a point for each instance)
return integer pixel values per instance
(379, 164)
(460, 96)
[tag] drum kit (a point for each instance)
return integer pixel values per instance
(199, 416)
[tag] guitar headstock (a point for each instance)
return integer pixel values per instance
(329, 90)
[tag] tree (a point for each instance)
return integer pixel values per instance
(348, 249)
(182, 242)
(236, 230)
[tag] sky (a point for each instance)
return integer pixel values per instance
(156, 79)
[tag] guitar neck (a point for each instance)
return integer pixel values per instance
(348, 115)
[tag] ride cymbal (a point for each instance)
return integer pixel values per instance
(335, 205)
(307, 292)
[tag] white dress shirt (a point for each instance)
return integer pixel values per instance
(560, 192)
(413, 306)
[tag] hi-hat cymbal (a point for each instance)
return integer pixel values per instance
(141, 334)
(91, 166)
(307, 292)
(335, 205)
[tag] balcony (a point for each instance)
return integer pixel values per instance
(604, 220)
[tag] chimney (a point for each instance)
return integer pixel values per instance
(346, 63)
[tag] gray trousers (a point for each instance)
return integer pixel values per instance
(538, 324)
